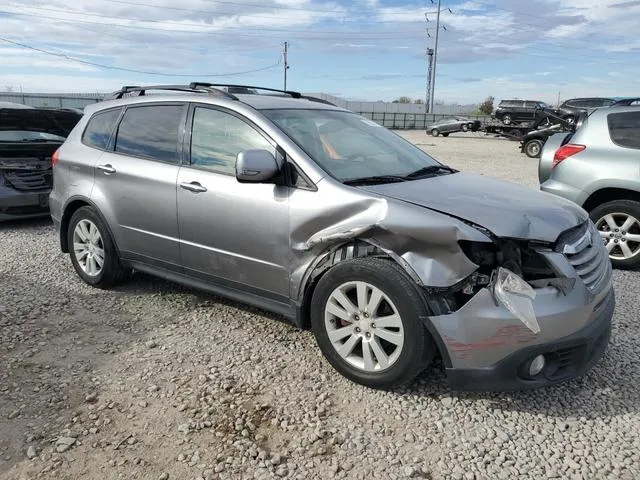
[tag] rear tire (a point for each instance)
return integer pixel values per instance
(343, 316)
(624, 245)
(445, 135)
(533, 148)
(465, 127)
(507, 120)
(92, 250)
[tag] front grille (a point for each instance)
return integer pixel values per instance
(25, 180)
(587, 254)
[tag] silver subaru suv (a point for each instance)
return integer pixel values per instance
(301, 208)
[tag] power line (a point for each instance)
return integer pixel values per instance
(145, 72)
(222, 30)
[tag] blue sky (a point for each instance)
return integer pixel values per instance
(358, 49)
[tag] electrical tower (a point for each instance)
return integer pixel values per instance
(286, 63)
(427, 102)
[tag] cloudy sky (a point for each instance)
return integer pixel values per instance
(358, 49)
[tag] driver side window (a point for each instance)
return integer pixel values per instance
(217, 137)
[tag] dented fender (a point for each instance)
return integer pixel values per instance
(422, 241)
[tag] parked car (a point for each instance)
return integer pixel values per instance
(570, 109)
(597, 168)
(28, 138)
(327, 218)
(517, 111)
(449, 125)
(627, 102)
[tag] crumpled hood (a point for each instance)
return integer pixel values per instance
(506, 209)
(48, 120)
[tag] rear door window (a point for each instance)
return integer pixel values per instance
(100, 128)
(151, 131)
(624, 129)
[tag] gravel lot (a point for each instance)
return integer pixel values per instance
(155, 381)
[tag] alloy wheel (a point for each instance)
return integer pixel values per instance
(88, 247)
(620, 233)
(364, 326)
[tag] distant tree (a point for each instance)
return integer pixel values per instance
(419, 101)
(403, 100)
(486, 107)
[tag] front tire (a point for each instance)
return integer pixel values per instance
(92, 250)
(465, 127)
(365, 315)
(435, 132)
(619, 225)
(533, 148)
(507, 120)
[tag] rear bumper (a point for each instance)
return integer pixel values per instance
(15, 204)
(566, 358)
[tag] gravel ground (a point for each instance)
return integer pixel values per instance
(155, 381)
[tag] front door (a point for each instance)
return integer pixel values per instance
(135, 185)
(233, 234)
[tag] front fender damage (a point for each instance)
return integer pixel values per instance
(423, 242)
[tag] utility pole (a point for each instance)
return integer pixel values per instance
(427, 103)
(435, 59)
(286, 63)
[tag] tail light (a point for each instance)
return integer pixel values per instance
(565, 152)
(55, 158)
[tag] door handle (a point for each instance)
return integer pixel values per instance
(107, 169)
(194, 187)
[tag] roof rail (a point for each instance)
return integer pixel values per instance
(247, 87)
(141, 90)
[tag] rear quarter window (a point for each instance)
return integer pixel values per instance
(150, 131)
(624, 129)
(100, 128)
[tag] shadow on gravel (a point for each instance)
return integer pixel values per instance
(590, 396)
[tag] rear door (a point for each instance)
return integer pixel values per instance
(232, 234)
(135, 185)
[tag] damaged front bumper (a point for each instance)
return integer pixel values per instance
(487, 348)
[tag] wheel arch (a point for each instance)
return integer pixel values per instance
(605, 195)
(356, 248)
(361, 248)
(72, 206)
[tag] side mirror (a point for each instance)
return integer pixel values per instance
(256, 166)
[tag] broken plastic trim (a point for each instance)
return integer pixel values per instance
(517, 296)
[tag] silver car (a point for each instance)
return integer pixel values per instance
(311, 211)
(597, 168)
(449, 125)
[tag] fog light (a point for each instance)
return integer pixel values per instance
(537, 365)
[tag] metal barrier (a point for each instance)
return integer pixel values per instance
(409, 121)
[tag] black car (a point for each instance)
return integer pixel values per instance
(28, 138)
(517, 111)
(571, 108)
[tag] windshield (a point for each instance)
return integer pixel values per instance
(348, 146)
(28, 136)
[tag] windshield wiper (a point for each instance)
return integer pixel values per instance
(429, 171)
(375, 180)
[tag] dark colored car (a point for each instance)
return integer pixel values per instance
(573, 107)
(516, 111)
(28, 138)
(449, 125)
